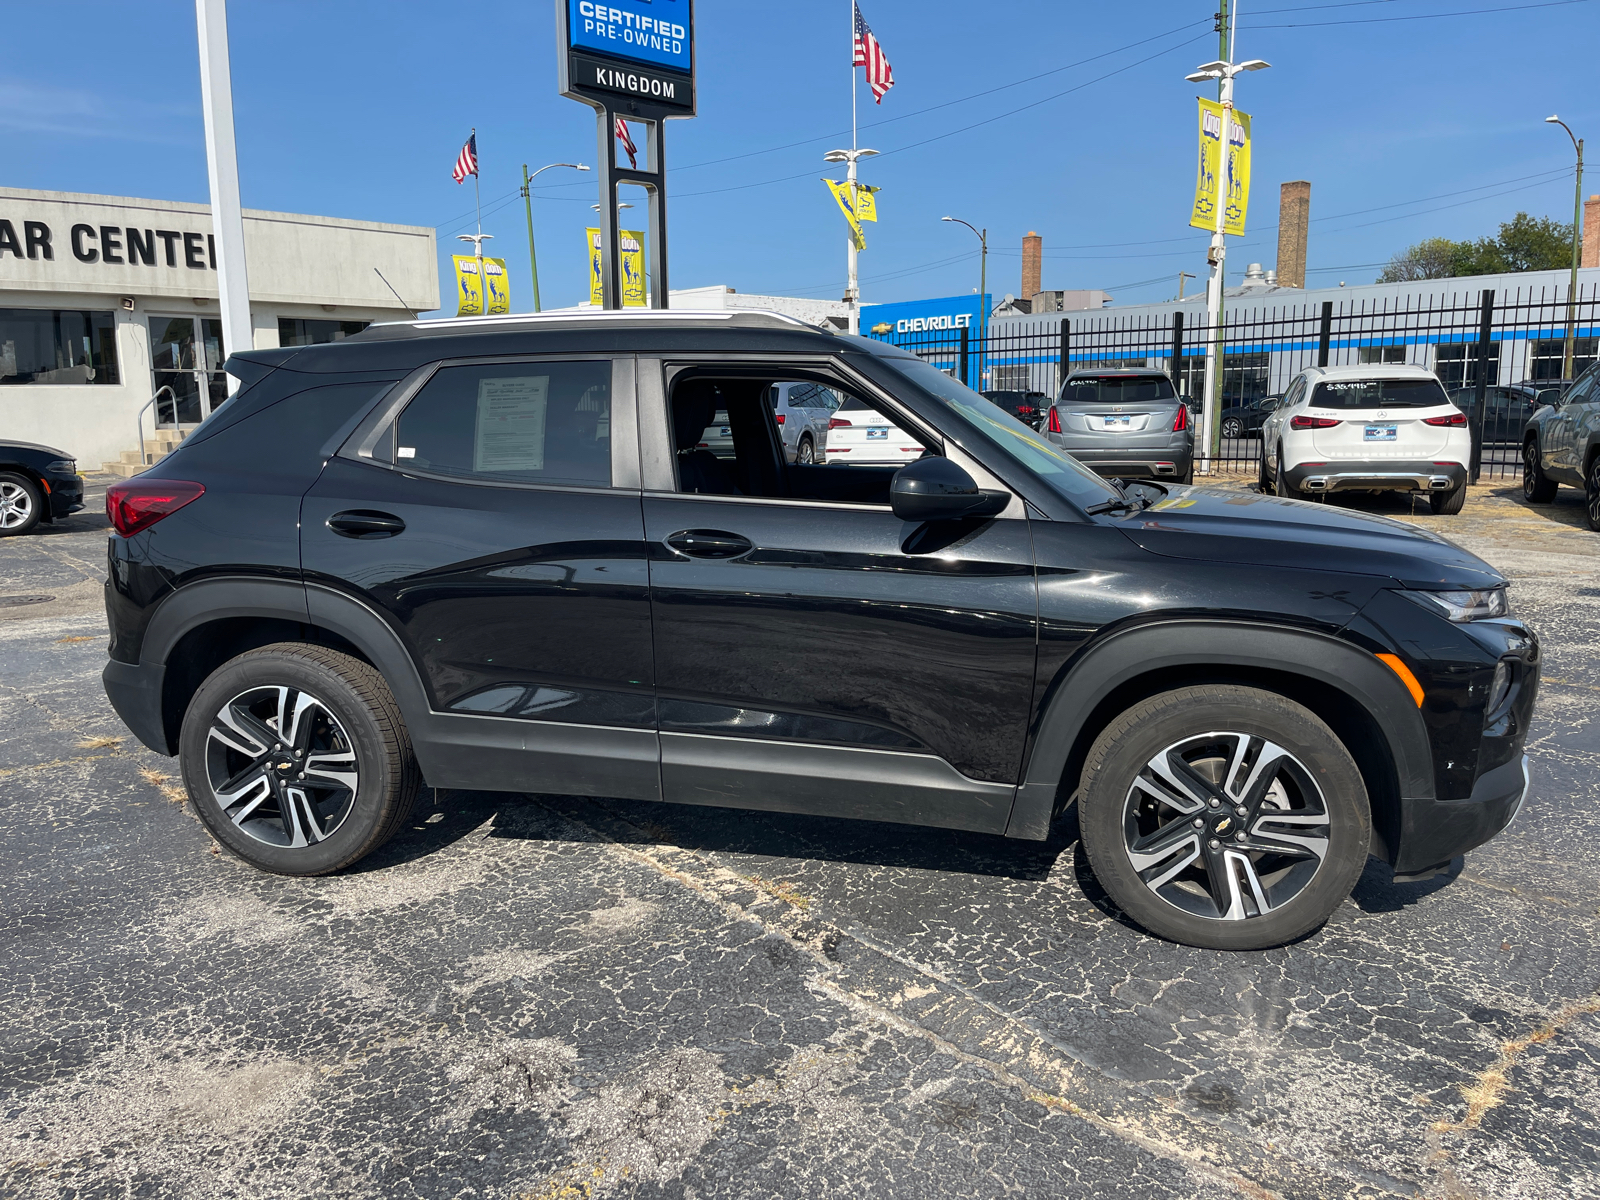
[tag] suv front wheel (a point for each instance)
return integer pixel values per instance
(1536, 487)
(1224, 816)
(297, 759)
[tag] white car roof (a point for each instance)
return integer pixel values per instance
(1373, 371)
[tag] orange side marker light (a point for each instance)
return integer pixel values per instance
(1392, 661)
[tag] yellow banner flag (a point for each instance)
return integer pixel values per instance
(469, 286)
(841, 193)
(1230, 168)
(866, 203)
(633, 278)
(496, 286)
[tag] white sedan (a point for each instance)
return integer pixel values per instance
(863, 436)
(1368, 428)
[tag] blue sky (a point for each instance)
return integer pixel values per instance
(356, 109)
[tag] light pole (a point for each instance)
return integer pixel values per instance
(477, 240)
(1577, 240)
(527, 198)
(852, 295)
(983, 286)
(1225, 72)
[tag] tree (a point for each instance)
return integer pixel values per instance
(1524, 243)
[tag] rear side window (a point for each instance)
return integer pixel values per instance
(547, 422)
(1379, 393)
(1117, 389)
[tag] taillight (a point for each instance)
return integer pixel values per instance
(1181, 421)
(1026, 410)
(1055, 420)
(137, 504)
(838, 422)
(1454, 420)
(780, 418)
(1312, 423)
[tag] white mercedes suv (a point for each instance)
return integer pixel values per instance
(1367, 429)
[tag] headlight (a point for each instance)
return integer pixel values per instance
(62, 466)
(1465, 606)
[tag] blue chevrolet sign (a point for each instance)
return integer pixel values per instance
(659, 33)
(934, 330)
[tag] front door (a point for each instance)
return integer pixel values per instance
(186, 357)
(483, 522)
(815, 653)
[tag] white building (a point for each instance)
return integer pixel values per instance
(106, 300)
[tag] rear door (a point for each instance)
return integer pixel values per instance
(1560, 443)
(490, 513)
(821, 655)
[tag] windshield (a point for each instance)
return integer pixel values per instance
(998, 428)
(1117, 389)
(1379, 393)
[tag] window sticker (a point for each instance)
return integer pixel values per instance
(511, 419)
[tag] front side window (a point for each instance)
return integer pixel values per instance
(547, 422)
(1379, 393)
(41, 345)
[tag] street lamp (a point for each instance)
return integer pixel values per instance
(852, 295)
(527, 199)
(1226, 72)
(1577, 237)
(983, 287)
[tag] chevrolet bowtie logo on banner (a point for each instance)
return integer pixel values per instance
(496, 286)
(469, 287)
(1233, 169)
(865, 207)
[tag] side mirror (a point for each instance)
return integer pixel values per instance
(936, 489)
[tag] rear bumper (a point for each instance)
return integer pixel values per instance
(134, 690)
(1435, 831)
(1364, 475)
(1140, 462)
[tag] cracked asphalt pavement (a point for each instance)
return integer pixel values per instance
(543, 996)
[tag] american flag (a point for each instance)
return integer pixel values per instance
(467, 160)
(868, 54)
(627, 143)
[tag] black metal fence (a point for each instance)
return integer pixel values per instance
(1477, 342)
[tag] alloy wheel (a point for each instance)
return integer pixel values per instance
(281, 767)
(1231, 428)
(806, 454)
(1227, 826)
(16, 505)
(1592, 498)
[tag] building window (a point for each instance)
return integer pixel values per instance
(1381, 354)
(1547, 357)
(295, 331)
(1456, 364)
(40, 345)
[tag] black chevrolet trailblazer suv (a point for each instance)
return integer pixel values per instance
(494, 554)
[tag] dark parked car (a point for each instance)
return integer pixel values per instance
(1508, 409)
(492, 554)
(37, 483)
(1242, 418)
(1027, 407)
(1561, 444)
(1127, 423)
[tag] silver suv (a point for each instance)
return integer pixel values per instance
(803, 411)
(1129, 423)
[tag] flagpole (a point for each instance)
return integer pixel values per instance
(853, 290)
(477, 200)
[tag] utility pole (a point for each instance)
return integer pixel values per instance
(527, 197)
(1224, 70)
(222, 164)
(1182, 275)
(1577, 242)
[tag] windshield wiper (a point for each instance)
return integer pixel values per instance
(1121, 504)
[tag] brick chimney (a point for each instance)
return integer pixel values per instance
(1032, 262)
(1590, 255)
(1294, 218)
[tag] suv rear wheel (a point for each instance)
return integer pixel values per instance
(1591, 493)
(806, 452)
(1536, 488)
(1224, 816)
(297, 759)
(1448, 503)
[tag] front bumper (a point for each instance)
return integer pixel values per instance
(1435, 831)
(66, 495)
(1375, 475)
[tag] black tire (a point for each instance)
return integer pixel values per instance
(21, 504)
(1447, 504)
(1233, 428)
(1188, 475)
(805, 454)
(1591, 493)
(1301, 883)
(1263, 484)
(1537, 488)
(342, 714)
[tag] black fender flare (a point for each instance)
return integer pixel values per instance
(1107, 664)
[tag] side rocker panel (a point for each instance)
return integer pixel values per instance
(1104, 667)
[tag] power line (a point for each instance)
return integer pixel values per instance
(1466, 12)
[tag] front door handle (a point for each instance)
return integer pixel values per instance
(366, 524)
(709, 543)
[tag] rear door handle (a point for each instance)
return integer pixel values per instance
(709, 543)
(365, 523)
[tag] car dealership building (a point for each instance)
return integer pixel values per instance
(107, 302)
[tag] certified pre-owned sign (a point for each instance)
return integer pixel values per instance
(643, 49)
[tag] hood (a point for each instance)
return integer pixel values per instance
(1217, 525)
(50, 450)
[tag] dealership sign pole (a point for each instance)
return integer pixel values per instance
(634, 60)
